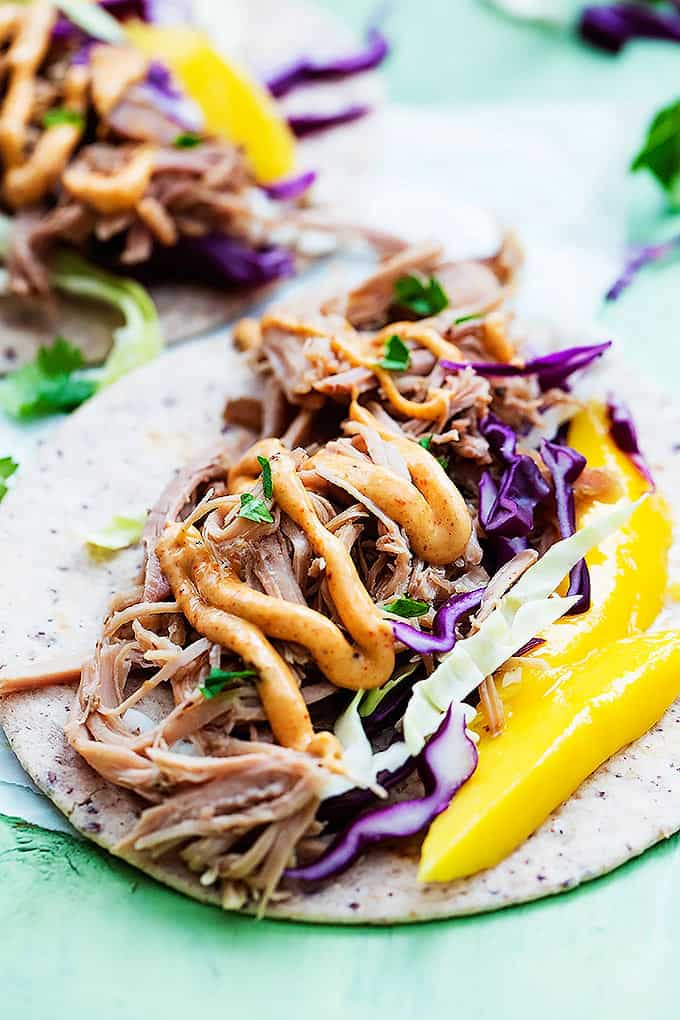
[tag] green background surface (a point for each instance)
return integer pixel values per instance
(85, 937)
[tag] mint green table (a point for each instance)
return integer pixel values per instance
(86, 938)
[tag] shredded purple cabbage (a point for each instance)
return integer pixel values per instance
(507, 509)
(337, 812)
(303, 124)
(306, 70)
(552, 370)
(639, 260)
(292, 188)
(623, 432)
(165, 95)
(443, 636)
(218, 260)
(611, 26)
(445, 764)
(565, 466)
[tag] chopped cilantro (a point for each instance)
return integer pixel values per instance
(7, 468)
(254, 509)
(443, 462)
(466, 318)
(407, 607)
(397, 355)
(425, 442)
(62, 115)
(48, 384)
(267, 483)
(420, 297)
(660, 152)
(187, 140)
(218, 680)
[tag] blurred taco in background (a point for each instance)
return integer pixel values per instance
(126, 138)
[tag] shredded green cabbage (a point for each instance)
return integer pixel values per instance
(523, 613)
(140, 339)
(122, 531)
(94, 20)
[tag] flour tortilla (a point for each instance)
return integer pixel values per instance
(119, 450)
(264, 35)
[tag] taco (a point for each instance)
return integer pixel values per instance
(392, 645)
(128, 137)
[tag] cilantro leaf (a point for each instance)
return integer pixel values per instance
(187, 140)
(443, 462)
(218, 680)
(407, 607)
(254, 509)
(466, 318)
(7, 468)
(397, 355)
(47, 384)
(267, 483)
(660, 152)
(62, 115)
(425, 442)
(421, 297)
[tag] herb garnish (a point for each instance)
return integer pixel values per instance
(254, 509)
(466, 318)
(425, 442)
(420, 297)
(62, 115)
(7, 468)
(407, 607)
(660, 153)
(47, 384)
(187, 140)
(397, 355)
(218, 680)
(267, 483)
(443, 462)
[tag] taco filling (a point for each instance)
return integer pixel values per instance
(136, 161)
(404, 597)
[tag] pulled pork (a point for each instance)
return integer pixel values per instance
(270, 562)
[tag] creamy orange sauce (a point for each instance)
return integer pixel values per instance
(228, 611)
(365, 351)
(117, 192)
(27, 183)
(33, 28)
(114, 70)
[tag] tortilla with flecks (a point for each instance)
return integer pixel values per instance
(122, 447)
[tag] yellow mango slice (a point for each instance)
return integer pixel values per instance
(235, 106)
(558, 732)
(530, 768)
(629, 571)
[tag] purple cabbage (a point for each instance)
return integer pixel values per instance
(443, 636)
(292, 188)
(507, 509)
(164, 95)
(552, 370)
(218, 260)
(445, 764)
(338, 811)
(303, 124)
(623, 432)
(639, 260)
(155, 12)
(611, 26)
(306, 70)
(565, 466)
